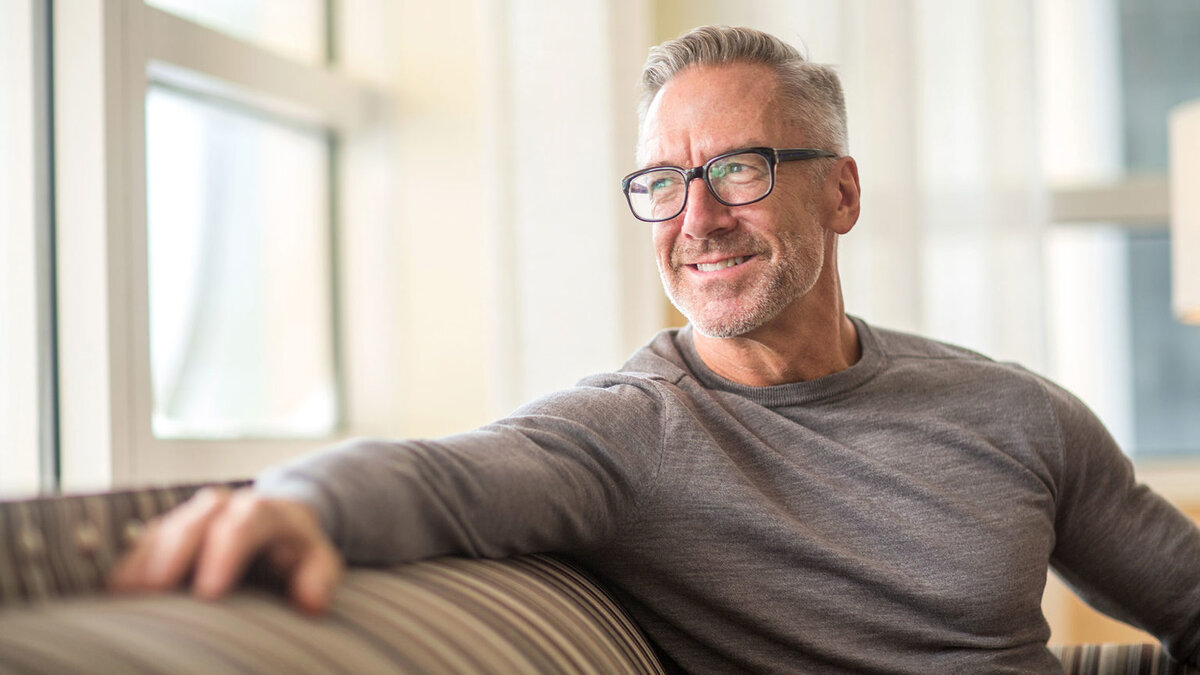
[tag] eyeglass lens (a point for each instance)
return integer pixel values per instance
(660, 194)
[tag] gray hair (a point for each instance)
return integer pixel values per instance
(811, 91)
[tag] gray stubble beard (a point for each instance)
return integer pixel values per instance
(781, 289)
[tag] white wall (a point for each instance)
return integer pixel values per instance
(19, 320)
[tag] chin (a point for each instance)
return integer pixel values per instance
(722, 330)
(724, 326)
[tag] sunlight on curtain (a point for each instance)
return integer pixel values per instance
(981, 208)
(240, 279)
(1087, 276)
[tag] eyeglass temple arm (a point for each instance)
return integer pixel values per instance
(801, 153)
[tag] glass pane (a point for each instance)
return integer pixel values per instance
(1160, 45)
(1166, 355)
(1115, 339)
(294, 28)
(241, 340)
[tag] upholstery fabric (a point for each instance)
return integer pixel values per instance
(530, 614)
(1115, 659)
(60, 546)
(525, 615)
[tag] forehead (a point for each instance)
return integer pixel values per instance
(706, 110)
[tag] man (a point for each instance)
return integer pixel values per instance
(777, 486)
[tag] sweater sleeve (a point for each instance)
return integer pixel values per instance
(559, 475)
(1120, 546)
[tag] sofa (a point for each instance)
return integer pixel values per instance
(530, 614)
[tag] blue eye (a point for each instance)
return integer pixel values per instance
(662, 183)
(724, 169)
(741, 169)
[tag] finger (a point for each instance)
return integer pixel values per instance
(178, 536)
(315, 579)
(128, 572)
(162, 554)
(235, 536)
(282, 558)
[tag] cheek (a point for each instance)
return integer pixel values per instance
(663, 239)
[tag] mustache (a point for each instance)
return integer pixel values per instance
(724, 247)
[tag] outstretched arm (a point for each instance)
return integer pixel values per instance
(559, 475)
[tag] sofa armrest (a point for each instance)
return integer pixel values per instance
(533, 614)
(528, 614)
(1118, 659)
(52, 547)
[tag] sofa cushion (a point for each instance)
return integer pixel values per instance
(1118, 659)
(522, 615)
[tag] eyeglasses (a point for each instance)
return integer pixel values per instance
(735, 179)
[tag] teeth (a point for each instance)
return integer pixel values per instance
(728, 262)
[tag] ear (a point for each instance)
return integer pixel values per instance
(842, 186)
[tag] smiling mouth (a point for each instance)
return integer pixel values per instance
(721, 264)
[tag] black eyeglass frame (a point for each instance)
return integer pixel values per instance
(774, 157)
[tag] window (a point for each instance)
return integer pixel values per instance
(200, 153)
(1132, 360)
(240, 280)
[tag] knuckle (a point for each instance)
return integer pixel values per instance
(194, 511)
(213, 496)
(247, 507)
(244, 514)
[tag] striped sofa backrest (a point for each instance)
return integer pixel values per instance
(1118, 659)
(64, 545)
(533, 614)
(528, 614)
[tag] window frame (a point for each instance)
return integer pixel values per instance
(106, 55)
(27, 365)
(506, 312)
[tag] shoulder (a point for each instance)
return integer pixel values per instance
(651, 371)
(1000, 388)
(661, 359)
(637, 390)
(908, 355)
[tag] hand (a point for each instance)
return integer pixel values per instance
(218, 533)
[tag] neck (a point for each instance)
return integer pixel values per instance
(795, 347)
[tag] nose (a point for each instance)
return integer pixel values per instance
(704, 216)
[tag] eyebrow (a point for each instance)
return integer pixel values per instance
(658, 164)
(733, 148)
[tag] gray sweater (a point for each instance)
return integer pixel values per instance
(897, 516)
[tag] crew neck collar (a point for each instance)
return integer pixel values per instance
(792, 393)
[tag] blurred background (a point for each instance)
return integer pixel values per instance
(235, 231)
